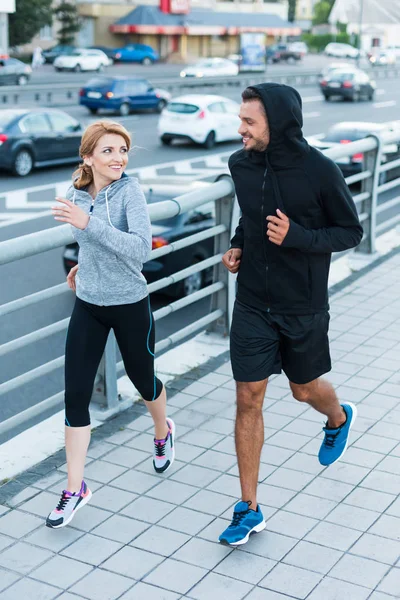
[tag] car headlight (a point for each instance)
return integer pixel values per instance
(183, 73)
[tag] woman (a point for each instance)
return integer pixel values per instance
(110, 221)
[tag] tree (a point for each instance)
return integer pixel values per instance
(67, 15)
(30, 16)
(321, 12)
(292, 10)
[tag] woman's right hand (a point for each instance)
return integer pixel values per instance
(71, 277)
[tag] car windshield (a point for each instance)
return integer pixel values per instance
(99, 82)
(6, 118)
(342, 75)
(77, 52)
(182, 107)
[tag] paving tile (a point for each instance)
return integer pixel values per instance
(120, 437)
(102, 585)
(196, 476)
(135, 482)
(262, 594)
(394, 509)
(103, 472)
(198, 389)
(227, 445)
(375, 443)
(210, 502)
(380, 596)
(26, 494)
(100, 448)
(360, 571)
(225, 484)
(334, 589)
(160, 541)
(89, 518)
(304, 463)
(28, 588)
(147, 509)
(23, 557)
(369, 499)
(287, 478)
(214, 529)
(391, 583)
(112, 499)
(41, 505)
(176, 576)
(17, 524)
(202, 553)
(190, 418)
(61, 571)
(291, 581)
(132, 562)
(388, 527)
(120, 529)
(361, 458)
(202, 438)
(245, 567)
(379, 480)
(328, 488)
(215, 587)
(7, 578)
(377, 548)
(215, 460)
(310, 506)
(313, 557)
(218, 425)
(172, 491)
(333, 536)
(92, 549)
(353, 517)
(144, 591)
(5, 542)
(290, 524)
(186, 520)
(390, 464)
(126, 457)
(45, 538)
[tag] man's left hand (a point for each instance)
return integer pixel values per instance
(277, 227)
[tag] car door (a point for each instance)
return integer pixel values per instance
(6, 73)
(67, 132)
(93, 60)
(36, 127)
(220, 120)
(139, 96)
(232, 120)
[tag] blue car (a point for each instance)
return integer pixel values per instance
(139, 53)
(122, 94)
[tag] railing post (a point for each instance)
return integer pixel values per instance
(105, 399)
(221, 300)
(372, 162)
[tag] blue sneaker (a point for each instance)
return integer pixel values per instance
(336, 440)
(244, 522)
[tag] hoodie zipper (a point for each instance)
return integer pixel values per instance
(94, 260)
(263, 232)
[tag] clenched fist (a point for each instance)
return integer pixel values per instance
(231, 259)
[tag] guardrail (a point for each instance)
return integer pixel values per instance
(63, 93)
(373, 213)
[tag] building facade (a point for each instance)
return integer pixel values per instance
(6, 7)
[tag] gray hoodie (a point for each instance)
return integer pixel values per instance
(114, 245)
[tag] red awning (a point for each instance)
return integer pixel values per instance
(200, 30)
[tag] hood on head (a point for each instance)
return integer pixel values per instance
(284, 112)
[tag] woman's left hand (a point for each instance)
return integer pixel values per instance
(68, 212)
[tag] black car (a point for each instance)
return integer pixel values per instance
(51, 54)
(14, 72)
(281, 52)
(109, 52)
(32, 138)
(349, 84)
(351, 131)
(164, 233)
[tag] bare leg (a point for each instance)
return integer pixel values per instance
(76, 444)
(321, 395)
(158, 410)
(249, 436)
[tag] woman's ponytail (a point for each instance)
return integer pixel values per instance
(83, 176)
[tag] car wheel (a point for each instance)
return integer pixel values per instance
(161, 105)
(58, 69)
(22, 80)
(77, 68)
(166, 141)
(93, 111)
(147, 61)
(356, 97)
(210, 141)
(100, 69)
(23, 163)
(124, 109)
(327, 98)
(371, 96)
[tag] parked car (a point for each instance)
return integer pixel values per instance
(139, 53)
(51, 54)
(203, 119)
(211, 67)
(31, 138)
(166, 232)
(393, 49)
(329, 69)
(14, 72)
(299, 47)
(82, 59)
(348, 84)
(350, 131)
(341, 50)
(110, 52)
(382, 58)
(122, 94)
(281, 52)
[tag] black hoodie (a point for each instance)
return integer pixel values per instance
(310, 189)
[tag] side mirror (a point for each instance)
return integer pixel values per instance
(150, 89)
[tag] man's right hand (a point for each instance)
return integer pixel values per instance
(231, 259)
(71, 277)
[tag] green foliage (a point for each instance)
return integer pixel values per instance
(30, 16)
(321, 12)
(292, 10)
(318, 42)
(68, 16)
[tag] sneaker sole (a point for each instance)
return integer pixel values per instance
(173, 428)
(353, 418)
(260, 527)
(84, 501)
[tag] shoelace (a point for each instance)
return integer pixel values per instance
(160, 448)
(238, 517)
(330, 438)
(63, 501)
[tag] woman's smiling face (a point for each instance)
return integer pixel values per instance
(109, 158)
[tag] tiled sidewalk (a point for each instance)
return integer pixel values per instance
(332, 534)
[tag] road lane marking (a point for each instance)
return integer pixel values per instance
(311, 115)
(384, 104)
(380, 92)
(312, 99)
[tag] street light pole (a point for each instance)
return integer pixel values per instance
(359, 30)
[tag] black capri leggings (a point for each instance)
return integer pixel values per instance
(86, 339)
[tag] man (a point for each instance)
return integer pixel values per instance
(296, 210)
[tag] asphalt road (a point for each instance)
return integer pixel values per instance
(33, 274)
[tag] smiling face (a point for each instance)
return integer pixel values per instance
(254, 127)
(108, 160)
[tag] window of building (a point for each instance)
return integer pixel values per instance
(46, 33)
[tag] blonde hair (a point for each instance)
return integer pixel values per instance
(83, 176)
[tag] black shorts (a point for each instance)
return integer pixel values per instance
(263, 344)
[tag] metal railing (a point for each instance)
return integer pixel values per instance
(377, 204)
(62, 93)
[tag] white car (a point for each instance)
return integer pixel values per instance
(82, 60)
(341, 50)
(300, 47)
(203, 119)
(211, 67)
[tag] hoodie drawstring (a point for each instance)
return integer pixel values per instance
(91, 207)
